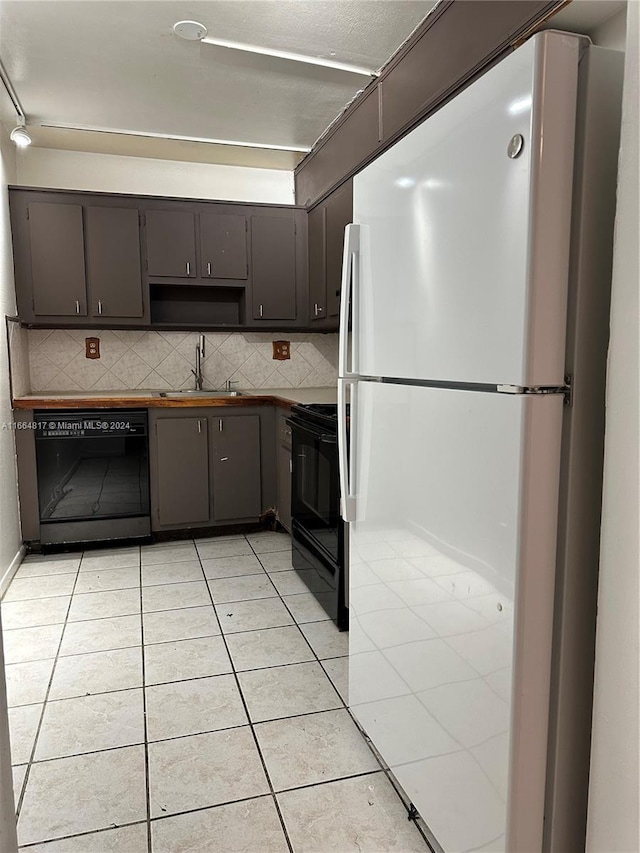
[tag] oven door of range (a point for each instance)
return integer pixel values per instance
(315, 503)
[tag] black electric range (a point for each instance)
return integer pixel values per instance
(317, 529)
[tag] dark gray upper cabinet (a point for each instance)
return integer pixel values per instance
(318, 264)
(181, 471)
(354, 139)
(236, 478)
(339, 209)
(327, 222)
(273, 264)
(223, 246)
(171, 244)
(122, 260)
(112, 236)
(56, 244)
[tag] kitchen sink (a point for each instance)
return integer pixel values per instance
(190, 393)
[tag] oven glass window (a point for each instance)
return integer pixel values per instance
(89, 479)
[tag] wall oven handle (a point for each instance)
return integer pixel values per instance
(346, 448)
(348, 299)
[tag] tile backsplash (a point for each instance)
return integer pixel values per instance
(163, 360)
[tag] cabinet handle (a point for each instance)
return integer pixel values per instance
(77, 307)
(220, 424)
(99, 306)
(188, 268)
(317, 309)
(291, 466)
(208, 268)
(199, 427)
(261, 310)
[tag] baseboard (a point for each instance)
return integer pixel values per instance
(12, 568)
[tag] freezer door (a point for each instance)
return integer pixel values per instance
(452, 561)
(464, 231)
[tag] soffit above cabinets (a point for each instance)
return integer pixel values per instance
(118, 66)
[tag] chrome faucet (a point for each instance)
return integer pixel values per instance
(199, 356)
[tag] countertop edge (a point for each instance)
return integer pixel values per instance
(148, 402)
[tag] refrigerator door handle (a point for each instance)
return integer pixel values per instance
(346, 448)
(348, 299)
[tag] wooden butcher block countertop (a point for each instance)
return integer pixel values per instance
(283, 397)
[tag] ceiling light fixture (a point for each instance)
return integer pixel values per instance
(19, 134)
(194, 31)
(190, 30)
(176, 137)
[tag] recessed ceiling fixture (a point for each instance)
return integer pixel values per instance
(178, 138)
(190, 29)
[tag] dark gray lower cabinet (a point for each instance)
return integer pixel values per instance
(284, 472)
(181, 472)
(211, 466)
(235, 465)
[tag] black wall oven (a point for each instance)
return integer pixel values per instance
(317, 529)
(92, 474)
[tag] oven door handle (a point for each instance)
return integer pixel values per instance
(346, 448)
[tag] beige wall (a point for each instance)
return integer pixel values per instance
(612, 32)
(10, 539)
(80, 170)
(613, 821)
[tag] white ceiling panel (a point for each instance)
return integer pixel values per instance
(118, 65)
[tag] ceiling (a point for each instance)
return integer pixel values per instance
(116, 65)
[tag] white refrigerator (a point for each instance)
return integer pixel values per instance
(472, 351)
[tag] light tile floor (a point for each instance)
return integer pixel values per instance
(187, 697)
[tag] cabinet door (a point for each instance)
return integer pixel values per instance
(223, 246)
(113, 261)
(171, 243)
(273, 260)
(182, 471)
(237, 485)
(317, 263)
(339, 212)
(57, 259)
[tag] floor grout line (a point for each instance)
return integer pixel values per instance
(81, 834)
(31, 761)
(253, 732)
(144, 712)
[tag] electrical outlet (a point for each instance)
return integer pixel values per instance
(92, 347)
(281, 350)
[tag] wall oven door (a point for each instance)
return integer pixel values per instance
(317, 528)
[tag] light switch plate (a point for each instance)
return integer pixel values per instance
(92, 347)
(281, 350)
